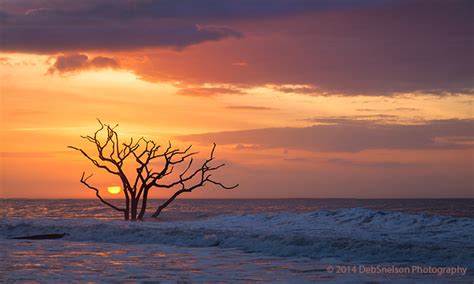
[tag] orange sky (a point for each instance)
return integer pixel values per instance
(323, 123)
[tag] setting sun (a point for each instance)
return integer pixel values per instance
(113, 189)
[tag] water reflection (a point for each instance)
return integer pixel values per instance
(58, 260)
(64, 261)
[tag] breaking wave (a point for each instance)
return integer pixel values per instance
(356, 235)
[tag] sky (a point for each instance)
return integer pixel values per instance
(305, 99)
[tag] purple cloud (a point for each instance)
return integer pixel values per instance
(335, 47)
(77, 62)
(345, 136)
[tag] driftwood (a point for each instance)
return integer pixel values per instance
(41, 237)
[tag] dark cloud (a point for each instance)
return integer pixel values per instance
(333, 47)
(208, 92)
(104, 62)
(77, 62)
(36, 36)
(249, 108)
(57, 26)
(165, 9)
(352, 137)
(405, 46)
(307, 90)
(53, 26)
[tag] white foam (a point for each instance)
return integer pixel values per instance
(347, 234)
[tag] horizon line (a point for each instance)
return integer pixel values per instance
(250, 198)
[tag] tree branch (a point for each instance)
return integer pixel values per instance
(95, 162)
(205, 176)
(84, 181)
(112, 154)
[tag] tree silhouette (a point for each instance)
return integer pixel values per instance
(112, 154)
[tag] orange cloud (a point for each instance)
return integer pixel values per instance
(209, 92)
(249, 108)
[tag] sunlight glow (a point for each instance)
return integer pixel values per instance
(114, 189)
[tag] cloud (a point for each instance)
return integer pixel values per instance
(297, 160)
(393, 48)
(100, 25)
(378, 165)
(240, 147)
(209, 91)
(332, 47)
(42, 38)
(249, 108)
(240, 64)
(345, 136)
(407, 109)
(4, 60)
(302, 89)
(356, 119)
(389, 110)
(77, 62)
(103, 62)
(165, 9)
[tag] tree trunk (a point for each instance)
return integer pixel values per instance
(134, 208)
(143, 209)
(126, 213)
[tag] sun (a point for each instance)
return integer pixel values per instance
(114, 189)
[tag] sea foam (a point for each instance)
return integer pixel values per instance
(351, 235)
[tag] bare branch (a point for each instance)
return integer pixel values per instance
(112, 154)
(84, 181)
(221, 185)
(95, 162)
(204, 172)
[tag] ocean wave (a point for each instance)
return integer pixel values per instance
(355, 234)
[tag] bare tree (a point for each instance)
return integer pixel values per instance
(111, 155)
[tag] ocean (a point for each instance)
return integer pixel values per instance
(242, 240)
